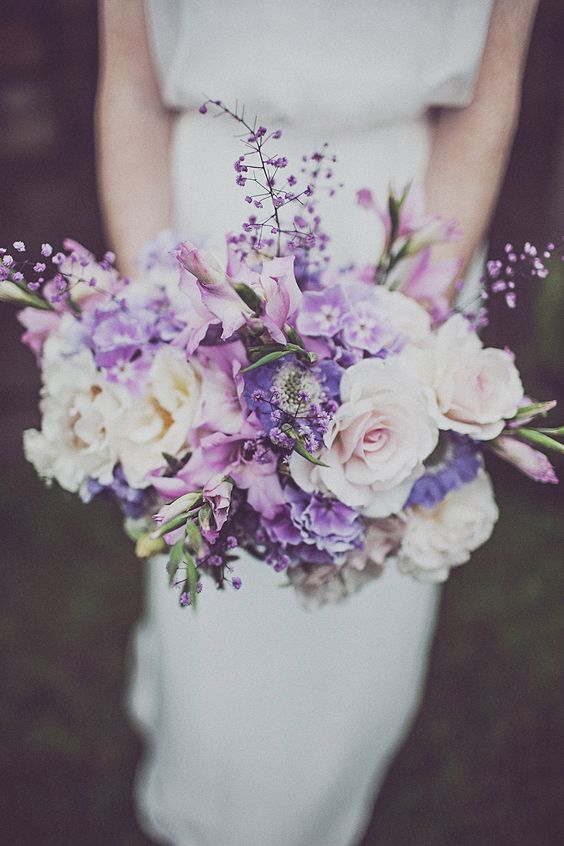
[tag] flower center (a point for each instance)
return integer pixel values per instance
(293, 383)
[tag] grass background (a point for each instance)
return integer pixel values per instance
(483, 762)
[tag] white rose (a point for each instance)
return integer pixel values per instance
(377, 441)
(79, 417)
(407, 316)
(158, 420)
(439, 538)
(475, 388)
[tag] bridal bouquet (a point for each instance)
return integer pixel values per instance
(331, 421)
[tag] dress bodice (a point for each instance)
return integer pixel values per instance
(343, 65)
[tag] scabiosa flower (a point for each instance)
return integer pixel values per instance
(290, 392)
(455, 462)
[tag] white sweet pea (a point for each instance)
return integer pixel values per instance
(475, 388)
(159, 419)
(436, 539)
(377, 441)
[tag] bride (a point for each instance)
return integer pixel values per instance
(268, 724)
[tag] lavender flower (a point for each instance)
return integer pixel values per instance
(455, 462)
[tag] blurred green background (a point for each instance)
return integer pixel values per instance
(484, 763)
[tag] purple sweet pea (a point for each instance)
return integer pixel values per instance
(315, 528)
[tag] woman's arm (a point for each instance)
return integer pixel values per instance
(471, 146)
(133, 133)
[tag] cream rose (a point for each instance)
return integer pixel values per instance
(377, 441)
(159, 419)
(80, 413)
(406, 316)
(436, 539)
(475, 388)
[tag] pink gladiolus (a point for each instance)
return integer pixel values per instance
(282, 296)
(211, 295)
(414, 224)
(429, 282)
(530, 461)
(277, 288)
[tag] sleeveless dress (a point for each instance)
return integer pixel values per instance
(268, 723)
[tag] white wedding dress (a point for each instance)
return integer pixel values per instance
(268, 724)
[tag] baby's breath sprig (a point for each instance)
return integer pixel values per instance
(260, 172)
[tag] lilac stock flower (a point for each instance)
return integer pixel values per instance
(454, 463)
(314, 528)
(322, 312)
(124, 335)
(349, 314)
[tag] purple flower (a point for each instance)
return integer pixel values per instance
(275, 393)
(212, 297)
(315, 528)
(530, 461)
(455, 462)
(322, 312)
(132, 501)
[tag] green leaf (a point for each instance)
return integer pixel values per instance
(534, 409)
(194, 537)
(192, 572)
(173, 524)
(266, 359)
(559, 431)
(534, 436)
(293, 337)
(249, 297)
(301, 450)
(299, 445)
(175, 560)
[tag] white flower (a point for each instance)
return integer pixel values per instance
(406, 316)
(475, 388)
(158, 420)
(383, 538)
(79, 418)
(439, 538)
(323, 584)
(377, 441)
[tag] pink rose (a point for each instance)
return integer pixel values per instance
(476, 388)
(377, 441)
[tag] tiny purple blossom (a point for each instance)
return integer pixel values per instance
(19, 246)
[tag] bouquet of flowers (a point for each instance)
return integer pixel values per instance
(330, 421)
